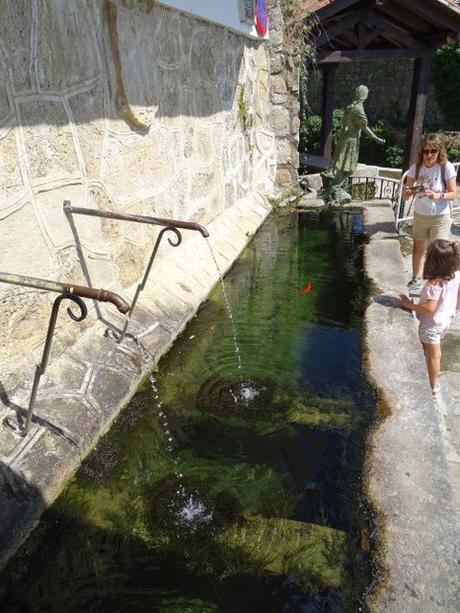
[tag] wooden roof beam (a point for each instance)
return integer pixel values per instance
(368, 55)
(398, 34)
(404, 16)
(436, 17)
(373, 34)
(337, 28)
(335, 7)
(349, 38)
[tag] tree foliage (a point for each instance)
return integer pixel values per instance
(446, 79)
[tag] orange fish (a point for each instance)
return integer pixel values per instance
(307, 289)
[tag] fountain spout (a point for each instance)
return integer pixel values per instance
(101, 295)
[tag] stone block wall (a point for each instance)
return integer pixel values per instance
(284, 67)
(125, 106)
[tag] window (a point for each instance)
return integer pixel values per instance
(247, 11)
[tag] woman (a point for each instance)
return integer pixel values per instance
(432, 183)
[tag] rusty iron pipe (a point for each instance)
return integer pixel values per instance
(101, 295)
(156, 221)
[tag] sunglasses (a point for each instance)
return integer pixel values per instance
(430, 151)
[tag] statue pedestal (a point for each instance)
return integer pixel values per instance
(338, 194)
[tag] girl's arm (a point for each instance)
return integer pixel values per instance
(429, 306)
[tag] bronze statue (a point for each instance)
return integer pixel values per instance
(345, 158)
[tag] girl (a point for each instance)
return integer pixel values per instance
(439, 301)
(432, 180)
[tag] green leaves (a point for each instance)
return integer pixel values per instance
(446, 78)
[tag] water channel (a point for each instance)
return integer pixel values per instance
(233, 481)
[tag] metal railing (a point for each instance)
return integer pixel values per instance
(403, 209)
(66, 291)
(372, 188)
(169, 225)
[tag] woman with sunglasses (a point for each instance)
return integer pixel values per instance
(432, 183)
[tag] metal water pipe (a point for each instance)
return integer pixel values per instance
(66, 291)
(169, 225)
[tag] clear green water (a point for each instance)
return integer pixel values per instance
(223, 488)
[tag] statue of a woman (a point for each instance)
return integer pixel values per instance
(345, 158)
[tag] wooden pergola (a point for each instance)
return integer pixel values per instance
(368, 30)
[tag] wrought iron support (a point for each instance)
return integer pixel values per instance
(141, 285)
(40, 368)
(169, 225)
(67, 291)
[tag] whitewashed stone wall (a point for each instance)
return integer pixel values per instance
(202, 90)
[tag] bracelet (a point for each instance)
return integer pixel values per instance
(442, 196)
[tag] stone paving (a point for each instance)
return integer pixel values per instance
(414, 460)
(447, 404)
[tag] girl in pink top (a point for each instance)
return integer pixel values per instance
(439, 301)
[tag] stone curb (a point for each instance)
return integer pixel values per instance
(409, 481)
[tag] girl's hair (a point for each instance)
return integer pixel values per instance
(442, 260)
(433, 141)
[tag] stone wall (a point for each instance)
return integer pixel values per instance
(284, 97)
(181, 130)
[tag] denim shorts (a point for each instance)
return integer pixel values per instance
(431, 335)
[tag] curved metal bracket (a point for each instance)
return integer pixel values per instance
(40, 368)
(174, 242)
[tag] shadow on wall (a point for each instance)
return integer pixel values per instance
(60, 62)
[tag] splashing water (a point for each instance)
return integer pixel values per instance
(248, 394)
(193, 514)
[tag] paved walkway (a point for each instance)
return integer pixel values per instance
(448, 403)
(415, 460)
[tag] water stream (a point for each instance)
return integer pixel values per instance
(228, 307)
(232, 482)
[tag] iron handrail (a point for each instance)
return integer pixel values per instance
(66, 291)
(155, 221)
(169, 225)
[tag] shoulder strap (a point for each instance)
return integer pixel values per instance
(443, 176)
(417, 170)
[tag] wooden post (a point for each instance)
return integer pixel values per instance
(416, 113)
(328, 71)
